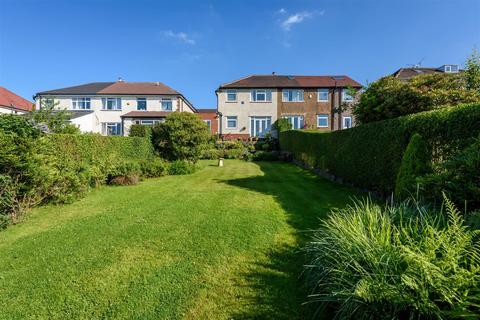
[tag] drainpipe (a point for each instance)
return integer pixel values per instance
(334, 105)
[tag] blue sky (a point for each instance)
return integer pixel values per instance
(194, 46)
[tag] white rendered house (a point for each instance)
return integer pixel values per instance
(110, 108)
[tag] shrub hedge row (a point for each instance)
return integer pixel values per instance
(369, 155)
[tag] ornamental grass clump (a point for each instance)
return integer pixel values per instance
(395, 262)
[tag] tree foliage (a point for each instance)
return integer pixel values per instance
(56, 120)
(183, 136)
(472, 71)
(390, 97)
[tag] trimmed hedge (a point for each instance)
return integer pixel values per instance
(95, 148)
(369, 155)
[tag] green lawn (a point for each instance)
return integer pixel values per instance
(222, 243)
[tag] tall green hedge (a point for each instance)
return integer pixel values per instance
(96, 148)
(369, 155)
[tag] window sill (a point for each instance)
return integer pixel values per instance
(231, 101)
(111, 110)
(323, 100)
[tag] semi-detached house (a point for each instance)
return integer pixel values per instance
(110, 108)
(248, 107)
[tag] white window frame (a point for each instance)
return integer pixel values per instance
(295, 94)
(324, 91)
(106, 125)
(229, 92)
(85, 101)
(343, 122)
(146, 104)
(265, 120)
(209, 123)
(117, 104)
(324, 116)
(166, 100)
(295, 118)
(231, 118)
(345, 95)
(448, 69)
(255, 92)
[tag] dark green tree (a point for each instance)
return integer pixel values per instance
(416, 162)
(182, 136)
(472, 71)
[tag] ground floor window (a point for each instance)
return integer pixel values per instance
(347, 122)
(209, 124)
(322, 120)
(259, 126)
(148, 122)
(112, 128)
(296, 122)
(231, 122)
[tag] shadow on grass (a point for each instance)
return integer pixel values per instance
(278, 285)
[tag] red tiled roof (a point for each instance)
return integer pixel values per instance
(207, 110)
(279, 81)
(11, 100)
(146, 114)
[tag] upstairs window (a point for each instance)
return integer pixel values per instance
(167, 104)
(111, 103)
(231, 95)
(141, 104)
(322, 95)
(290, 95)
(261, 95)
(346, 96)
(209, 124)
(81, 103)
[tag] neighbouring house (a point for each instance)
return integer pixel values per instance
(248, 107)
(110, 108)
(408, 73)
(13, 103)
(210, 117)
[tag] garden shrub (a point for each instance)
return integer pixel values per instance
(37, 168)
(398, 262)
(415, 163)
(370, 155)
(124, 173)
(458, 177)
(182, 136)
(390, 97)
(138, 130)
(154, 168)
(265, 156)
(180, 167)
(211, 154)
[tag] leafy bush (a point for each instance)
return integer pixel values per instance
(415, 163)
(370, 155)
(390, 97)
(211, 154)
(138, 130)
(182, 136)
(398, 262)
(179, 167)
(282, 125)
(265, 156)
(36, 168)
(124, 173)
(458, 177)
(153, 168)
